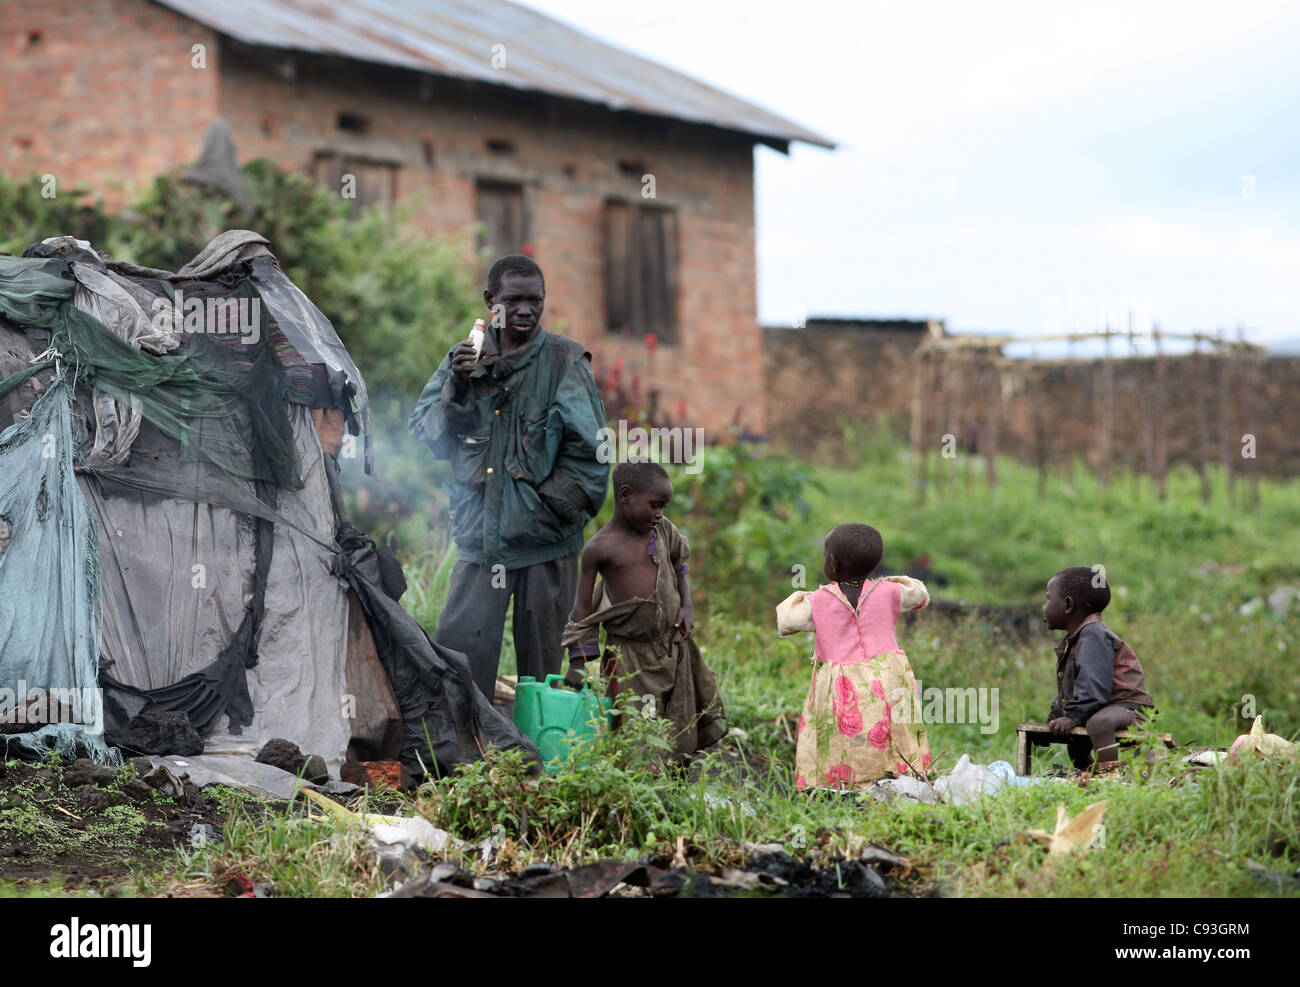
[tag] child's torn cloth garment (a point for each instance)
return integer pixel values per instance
(862, 719)
(647, 656)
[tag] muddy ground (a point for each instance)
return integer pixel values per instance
(87, 826)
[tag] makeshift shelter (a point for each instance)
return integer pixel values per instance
(172, 528)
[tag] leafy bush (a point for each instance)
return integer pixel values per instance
(737, 512)
(28, 217)
(617, 798)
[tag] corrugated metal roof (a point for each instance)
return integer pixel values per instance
(456, 38)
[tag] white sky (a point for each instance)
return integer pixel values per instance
(1012, 166)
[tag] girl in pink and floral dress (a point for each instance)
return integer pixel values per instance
(862, 719)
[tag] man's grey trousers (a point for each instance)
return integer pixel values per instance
(474, 617)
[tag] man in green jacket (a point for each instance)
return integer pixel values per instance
(519, 423)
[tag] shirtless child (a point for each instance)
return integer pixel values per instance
(644, 603)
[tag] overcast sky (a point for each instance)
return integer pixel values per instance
(1013, 166)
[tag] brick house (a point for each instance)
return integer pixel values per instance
(630, 183)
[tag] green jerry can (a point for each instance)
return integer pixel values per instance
(554, 718)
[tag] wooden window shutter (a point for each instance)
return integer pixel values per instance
(620, 314)
(501, 211)
(657, 258)
(376, 184)
(376, 181)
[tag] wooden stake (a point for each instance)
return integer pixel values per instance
(942, 418)
(1040, 434)
(1161, 426)
(995, 421)
(1249, 467)
(1198, 446)
(919, 370)
(1106, 418)
(1225, 420)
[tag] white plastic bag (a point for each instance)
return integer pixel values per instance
(967, 783)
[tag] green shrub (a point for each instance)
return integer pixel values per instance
(27, 216)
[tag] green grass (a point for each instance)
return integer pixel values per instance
(1179, 571)
(1002, 545)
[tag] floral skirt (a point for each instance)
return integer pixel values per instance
(861, 723)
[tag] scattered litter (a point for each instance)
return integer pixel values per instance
(872, 854)
(241, 771)
(1206, 759)
(490, 845)
(202, 834)
(1280, 602)
(1072, 834)
(1007, 773)
(387, 832)
(164, 782)
(905, 788)
(1282, 599)
(679, 855)
(1261, 743)
(1275, 878)
(239, 886)
(718, 802)
(411, 832)
(745, 880)
(967, 783)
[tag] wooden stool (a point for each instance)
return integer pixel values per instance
(1026, 731)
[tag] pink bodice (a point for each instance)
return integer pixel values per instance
(845, 637)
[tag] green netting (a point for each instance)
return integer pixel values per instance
(48, 580)
(220, 401)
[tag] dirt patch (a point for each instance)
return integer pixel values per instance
(87, 825)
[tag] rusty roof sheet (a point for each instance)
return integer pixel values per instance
(456, 38)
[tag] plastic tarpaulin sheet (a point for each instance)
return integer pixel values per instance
(47, 580)
(311, 333)
(224, 408)
(446, 720)
(176, 576)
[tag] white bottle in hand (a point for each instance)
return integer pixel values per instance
(477, 335)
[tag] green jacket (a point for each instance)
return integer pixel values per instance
(523, 447)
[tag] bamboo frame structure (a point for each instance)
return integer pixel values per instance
(951, 372)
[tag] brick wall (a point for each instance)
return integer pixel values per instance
(1260, 398)
(818, 379)
(102, 92)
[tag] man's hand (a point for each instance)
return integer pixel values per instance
(577, 673)
(1061, 726)
(685, 620)
(463, 362)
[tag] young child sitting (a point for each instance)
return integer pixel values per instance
(1099, 680)
(849, 734)
(644, 603)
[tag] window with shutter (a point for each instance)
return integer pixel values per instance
(500, 210)
(641, 270)
(374, 183)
